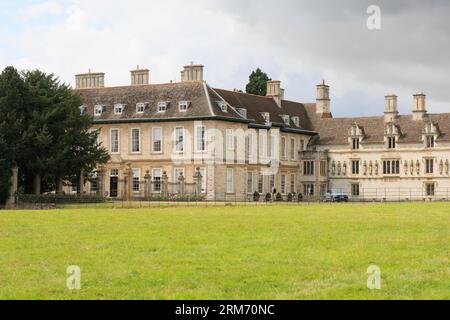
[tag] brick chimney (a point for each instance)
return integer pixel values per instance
(419, 106)
(90, 80)
(192, 72)
(275, 91)
(323, 101)
(139, 76)
(391, 108)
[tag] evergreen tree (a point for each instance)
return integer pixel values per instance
(12, 109)
(258, 83)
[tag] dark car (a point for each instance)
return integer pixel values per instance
(336, 196)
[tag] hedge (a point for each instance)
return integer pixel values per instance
(59, 198)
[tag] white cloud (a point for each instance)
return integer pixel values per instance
(39, 10)
(299, 42)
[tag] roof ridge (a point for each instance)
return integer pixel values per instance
(245, 93)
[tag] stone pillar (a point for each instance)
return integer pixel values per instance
(181, 181)
(11, 202)
(128, 184)
(164, 182)
(148, 179)
(100, 182)
(198, 181)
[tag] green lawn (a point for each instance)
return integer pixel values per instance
(264, 252)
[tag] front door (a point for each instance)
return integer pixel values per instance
(113, 187)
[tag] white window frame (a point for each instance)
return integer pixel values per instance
(153, 140)
(131, 141)
(223, 106)
(98, 110)
(293, 186)
(154, 180)
(284, 148)
(230, 139)
(283, 184)
(293, 157)
(140, 105)
(111, 141)
(162, 107)
(183, 146)
(250, 140)
(183, 106)
(199, 143)
(273, 139)
(136, 174)
(250, 182)
(230, 180)
(262, 145)
(118, 108)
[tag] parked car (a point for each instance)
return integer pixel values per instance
(336, 196)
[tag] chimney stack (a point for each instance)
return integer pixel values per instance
(275, 91)
(323, 102)
(391, 109)
(139, 76)
(419, 106)
(90, 80)
(192, 72)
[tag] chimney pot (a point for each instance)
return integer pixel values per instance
(192, 72)
(90, 80)
(140, 76)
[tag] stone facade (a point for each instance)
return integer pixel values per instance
(251, 143)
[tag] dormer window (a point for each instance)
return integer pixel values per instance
(296, 121)
(355, 143)
(98, 110)
(140, 107)
(222, 105)
(118, 108)
(286, 119)
(82, 109)
(162, 107)
(430, 141)
(183, 106)
(356, 135)
(266, 117)
(392, 134)
(242, 112)
(430, 134)
(392, 142)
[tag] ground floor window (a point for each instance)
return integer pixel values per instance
(136, 180)
(355, 190)
(260, 183)
(230, 180)
(283, 184)
(157, 174)
(272, 184)
(292, 183)
(308, 189)
(430, 189)
(250, 182)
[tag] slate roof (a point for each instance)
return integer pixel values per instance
(334, 131)
(203, 105)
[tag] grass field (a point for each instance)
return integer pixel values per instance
(266, 252)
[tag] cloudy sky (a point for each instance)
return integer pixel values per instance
(297, 42)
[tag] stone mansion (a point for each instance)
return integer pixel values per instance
(228, 144)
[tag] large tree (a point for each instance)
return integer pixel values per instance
(258, 83)
(44, 133)
(58, 141)
(13, 95)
